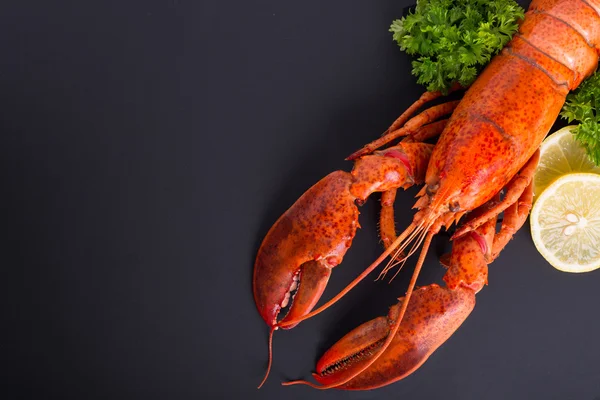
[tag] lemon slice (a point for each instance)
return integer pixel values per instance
(560, 154)
(565, 223)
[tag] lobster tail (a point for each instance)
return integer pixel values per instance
(566, 31)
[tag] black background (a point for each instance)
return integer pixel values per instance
(147, 147)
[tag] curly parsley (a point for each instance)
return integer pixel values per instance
(454, 39)
(582, 105)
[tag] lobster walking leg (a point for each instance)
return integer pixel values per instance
(513, 191)
(514, 218)
(387, 225)
(387, 222)
(424, 99)
(425, 117)
(427, 132)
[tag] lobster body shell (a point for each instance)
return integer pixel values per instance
(510, 108)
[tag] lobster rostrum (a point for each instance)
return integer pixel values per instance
(488, 144)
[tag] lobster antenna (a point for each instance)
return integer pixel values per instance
(410, 229)
(414, 249)
(399, 262)
(419, 232)
(393, 331)
(394, 261)
(273, 328)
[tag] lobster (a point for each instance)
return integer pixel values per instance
(488, 146)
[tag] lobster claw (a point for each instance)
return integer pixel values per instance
(313, 235)
(297, 254)
(433, 315)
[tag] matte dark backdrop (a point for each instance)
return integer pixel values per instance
(147, 147)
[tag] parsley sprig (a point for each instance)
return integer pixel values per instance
(454, 39)
(582, 105)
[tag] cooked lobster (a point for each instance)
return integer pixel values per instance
(488, 146)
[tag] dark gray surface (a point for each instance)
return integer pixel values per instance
(147, 147)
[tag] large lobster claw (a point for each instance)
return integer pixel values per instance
(313, 235)
(432, 316)
(301, 248)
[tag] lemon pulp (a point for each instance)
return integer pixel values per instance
(565, 223)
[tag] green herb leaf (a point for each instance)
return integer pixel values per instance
(453, 39)
(582, 105)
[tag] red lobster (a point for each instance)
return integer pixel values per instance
(489, 144)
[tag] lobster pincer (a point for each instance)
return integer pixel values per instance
(296, 257)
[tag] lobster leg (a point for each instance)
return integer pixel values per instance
(513, 191)
(424, 99)
(425, 117)
(387, 225)
(387, 222)
(427, 132)
(514, 218)
(432, 316)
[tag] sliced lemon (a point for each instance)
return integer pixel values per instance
(560, 154)
(565, 223)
